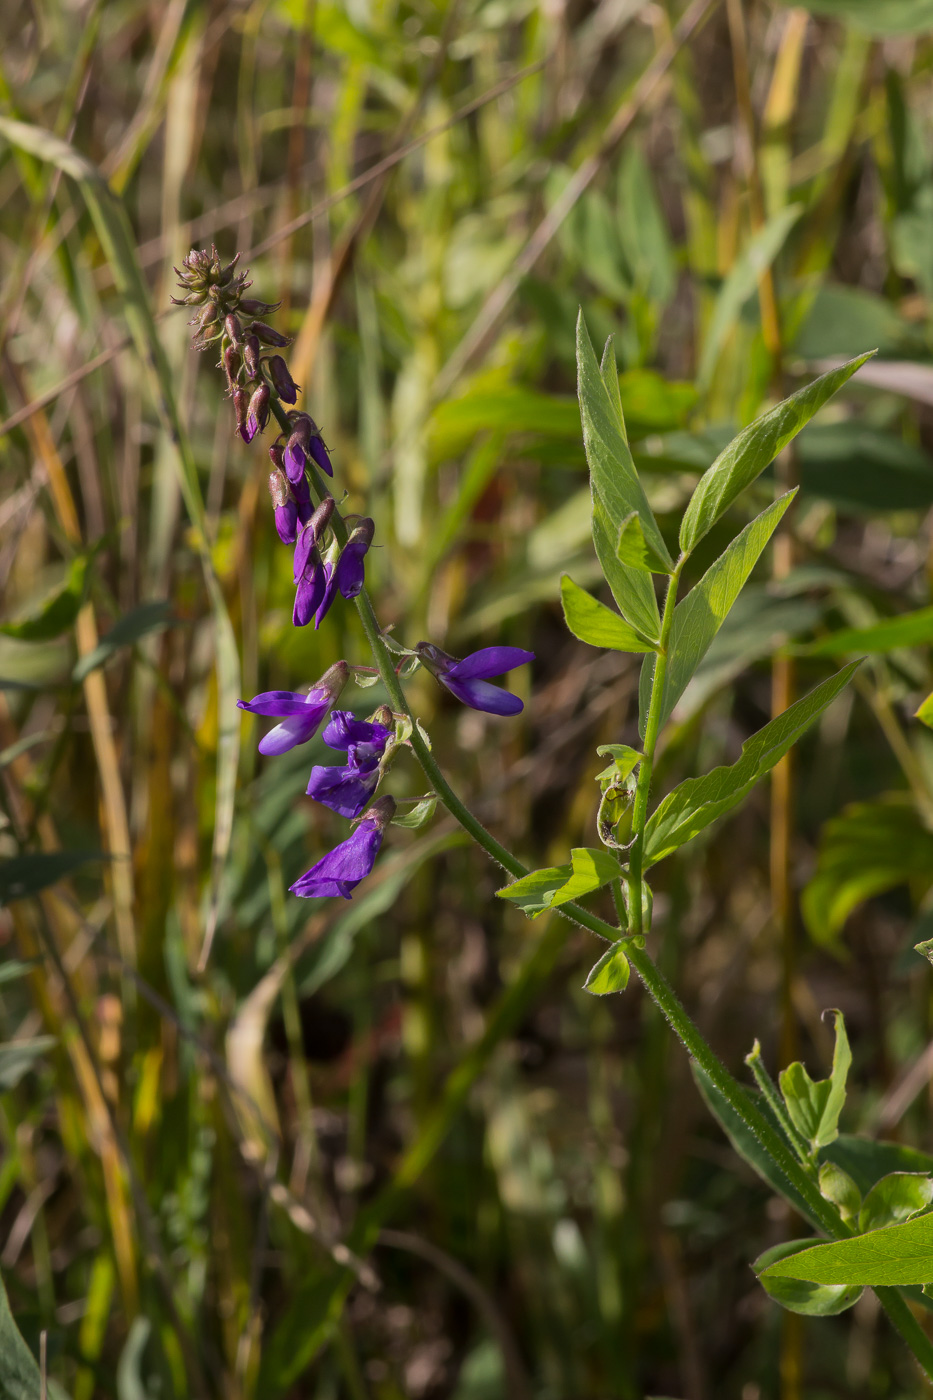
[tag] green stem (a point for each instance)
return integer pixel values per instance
(776, 1104)
(646, 768)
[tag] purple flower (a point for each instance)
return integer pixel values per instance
(319, 453)
(295, 459)
(327, 596)
(258, 413)
(302, 494)
(286, 511)
(301, 715)
(342, 869)
(468, 679)
(350, 568)
(344, 790)
(363, 740)
(282, 382)
(309, 593)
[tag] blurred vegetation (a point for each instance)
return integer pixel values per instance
(739, 194)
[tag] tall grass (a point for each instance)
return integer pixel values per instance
(214, 1097)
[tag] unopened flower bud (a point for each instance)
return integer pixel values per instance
(267, 335)
(350, 566)
(275, 456)
(258, 411)
(241, 409)
(320, 454)
(286, 511)
(251, 307)
(296, 448)
(231, 366)
(381, 812)
(321, 518)
(302, 494)
(282, 382)
(233, 328)
(227, 275)
(251, 353)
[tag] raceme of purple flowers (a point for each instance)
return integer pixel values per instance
(326, 561)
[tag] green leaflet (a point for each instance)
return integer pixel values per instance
(897, 1254)
(741, 283)
(814, 1106)
(869, 848)
(58, 612)
(610, 974)
(811, 1299)
(867, 1162)
(697, 802)
(632, 589)
(747, 455)
(700, 615)
(634, 551)
(558, 884)
(909, 630)
(118, 242)
(925, 712)
(897, 1197)
(609, 373)
(420, 814)
(612, 471)
(836, 1185)
(594, 623)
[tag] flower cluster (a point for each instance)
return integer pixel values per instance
(329, 555)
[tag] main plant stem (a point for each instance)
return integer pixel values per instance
(654, 981)
(646, 768)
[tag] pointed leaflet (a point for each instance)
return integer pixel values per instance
(610, 974)
(696, 803)
(633, 549)
(609, 372)
(558, 884)
(747, 455)
(810, 1299)
(899, 1196)
(632, 589)
(612, 470)
(814, 1106)
(701, 614)
(897, 1254)
(596, 624)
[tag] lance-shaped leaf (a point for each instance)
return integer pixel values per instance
(57, 612)
(29, 874)
(814, 1106)
(612, 470)
(558, 884)
(896, 1255)
(810, 1299)
(610, 974)
(696, 803)
(909, 630)
(747, 455)
(594, 623)
(609, 373)
(419, 815)
(139, 622)
(634, 551)
(633, 589)
(700, 615)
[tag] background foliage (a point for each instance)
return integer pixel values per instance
(740, 195)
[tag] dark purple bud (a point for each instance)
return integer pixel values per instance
(319, 453)
(321, 518)
(282, 382)
(233, 328)
(328, 595)
(306, 558)
(350, 567)
(308, 595)
(267, 335)
(252, 307)
(251, 353)
(259, 409)
(294, 459)
(241, 409)
(302, 494)
(286, 511)
(231, 366)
